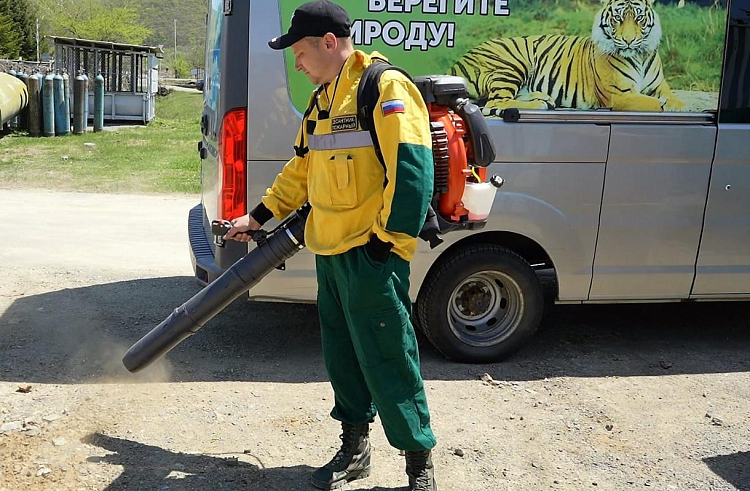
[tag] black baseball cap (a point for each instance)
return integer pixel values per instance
(315, 19)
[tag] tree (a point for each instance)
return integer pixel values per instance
(90, 19)
(9, 39)
(180, 68)
(196, 54)
(22, 18)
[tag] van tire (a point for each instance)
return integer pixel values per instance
(480, 303)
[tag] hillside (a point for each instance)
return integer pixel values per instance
(87, 18)
(159, 16)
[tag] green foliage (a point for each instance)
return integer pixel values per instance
(692, 46)
(149, 22)
(93, 19)
(196, 53)
(9, 39)
(179, 68)
(21, 17)
(159, 17)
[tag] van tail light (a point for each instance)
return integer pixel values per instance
(233, 165)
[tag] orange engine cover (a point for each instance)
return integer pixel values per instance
(450, 206)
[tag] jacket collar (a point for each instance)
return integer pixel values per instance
(351, 71)
(357, 62)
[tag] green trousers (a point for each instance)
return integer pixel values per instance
(369, 346)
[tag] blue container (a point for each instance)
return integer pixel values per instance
(62, 113)
(23, 118)
(48, 105)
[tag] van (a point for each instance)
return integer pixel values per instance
(621, 127)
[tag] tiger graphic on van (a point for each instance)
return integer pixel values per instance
(617, 67)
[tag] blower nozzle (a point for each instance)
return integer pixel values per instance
(280, 244)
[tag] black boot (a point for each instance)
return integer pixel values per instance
(351, 462)
(420, 471)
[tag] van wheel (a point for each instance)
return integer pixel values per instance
(480, 303)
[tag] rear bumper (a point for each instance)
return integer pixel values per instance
(201, 248)
(209, 262)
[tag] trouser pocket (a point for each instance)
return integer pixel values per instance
(383, 336)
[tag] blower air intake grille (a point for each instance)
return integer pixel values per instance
(441, 157)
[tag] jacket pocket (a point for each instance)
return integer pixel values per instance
(342, 180)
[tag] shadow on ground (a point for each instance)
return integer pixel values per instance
(79, 336)
(151, 467)
(733, 468)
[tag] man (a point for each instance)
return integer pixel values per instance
(362, 227)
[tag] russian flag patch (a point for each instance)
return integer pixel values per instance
(391, 107)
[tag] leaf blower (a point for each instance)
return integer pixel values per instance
(462, 149)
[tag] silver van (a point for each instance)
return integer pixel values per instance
(621, 202)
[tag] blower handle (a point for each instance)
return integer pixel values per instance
(479, 131)
(219, 229)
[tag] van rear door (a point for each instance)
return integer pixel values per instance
(224, 134)
(210, 120)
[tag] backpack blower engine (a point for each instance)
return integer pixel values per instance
(462, 150)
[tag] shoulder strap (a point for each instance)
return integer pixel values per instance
(368, 94)
(301, 149)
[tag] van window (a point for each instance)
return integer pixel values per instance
(735, 99)
(213, 53)
(626, 55)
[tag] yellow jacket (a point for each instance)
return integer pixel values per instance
(343, 179)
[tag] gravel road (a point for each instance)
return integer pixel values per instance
(622, 397)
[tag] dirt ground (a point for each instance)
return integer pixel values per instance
(604, 397)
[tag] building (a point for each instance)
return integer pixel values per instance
(130, 71)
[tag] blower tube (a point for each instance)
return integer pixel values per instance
(282, 243)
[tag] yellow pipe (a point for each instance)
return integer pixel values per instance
(14, 96)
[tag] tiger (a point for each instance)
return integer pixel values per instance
(618, 67)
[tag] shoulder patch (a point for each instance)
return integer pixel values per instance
(392, 106)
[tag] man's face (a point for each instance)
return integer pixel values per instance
(312, 58)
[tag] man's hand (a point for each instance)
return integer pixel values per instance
(239, 228)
